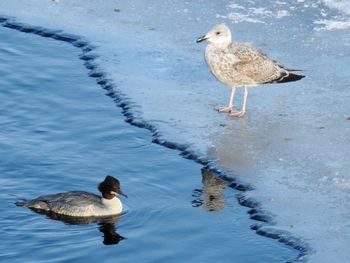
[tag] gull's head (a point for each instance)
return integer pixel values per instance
(219, 35)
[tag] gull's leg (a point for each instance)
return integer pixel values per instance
(229, 108)
(243, 110)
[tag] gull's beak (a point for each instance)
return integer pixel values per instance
(202, 38)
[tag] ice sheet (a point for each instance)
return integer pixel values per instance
(340, 21)
(293, 146)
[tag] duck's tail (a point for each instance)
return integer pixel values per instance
(23, 203)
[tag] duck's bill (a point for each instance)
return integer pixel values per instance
(202, 38)
(119, 192)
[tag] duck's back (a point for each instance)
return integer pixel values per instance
(75, 203)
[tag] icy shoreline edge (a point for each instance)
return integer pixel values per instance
(262, 218)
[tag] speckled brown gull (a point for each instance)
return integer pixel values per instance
(236, 64)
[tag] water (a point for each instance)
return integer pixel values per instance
(293, 144)
(60, 132)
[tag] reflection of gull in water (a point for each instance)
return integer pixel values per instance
(236, 64)
(211, 198)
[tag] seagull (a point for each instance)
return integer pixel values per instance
(237, 64)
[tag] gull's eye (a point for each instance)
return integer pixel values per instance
(218, 33)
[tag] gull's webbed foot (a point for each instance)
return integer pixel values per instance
(238, 114)
(224, 109)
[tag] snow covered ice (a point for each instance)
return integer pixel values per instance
(294, 144)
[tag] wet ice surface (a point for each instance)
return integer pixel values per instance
(293, 144)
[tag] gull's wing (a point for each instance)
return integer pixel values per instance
(255, 65)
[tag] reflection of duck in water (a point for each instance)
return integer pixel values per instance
(211, 197)
(82, 204)
(78, 207)
(106, 224)
(110, 236)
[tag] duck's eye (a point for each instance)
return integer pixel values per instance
(218, 33)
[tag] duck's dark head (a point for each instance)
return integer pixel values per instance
(110, 188)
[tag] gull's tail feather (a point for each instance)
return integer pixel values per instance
(291, 77)
(286, 78)
(294, 70)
